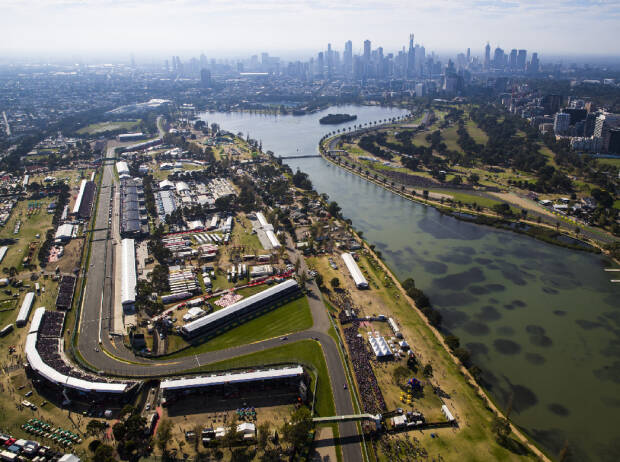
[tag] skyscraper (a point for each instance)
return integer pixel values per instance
(320, 64)
(487, 57)
(348, 58)
(411, 58)
(534, 64)
(498, 58)
(366, 51)
(512, 60)
(330, 61)
(522, 59)
(205, 77)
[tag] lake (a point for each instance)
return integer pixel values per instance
(542, 321)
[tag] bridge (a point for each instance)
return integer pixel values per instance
(302, 156)
(347, 418)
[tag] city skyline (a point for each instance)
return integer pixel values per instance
(221, 28)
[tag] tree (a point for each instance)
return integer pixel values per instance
(318, 279)
(400, 375)
(428, 370)
(452, 341)
(335, 282)
(164, 435)
(296, 431)
(473, 178)
(408, 284)
(334, 209)
(264, 431)
(104, 453)
(501, 428)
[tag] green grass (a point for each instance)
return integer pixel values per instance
(476, 132)
(307, 352)
(103, 127)
(613, 162)
(292, 317)
(32, 225)
(450, 137)
(470, 198)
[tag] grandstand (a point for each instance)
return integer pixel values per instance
(65, 293)
(84, 202)
(290, 379)
(46, 359)
(243, 308)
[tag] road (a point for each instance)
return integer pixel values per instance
(535, 211)
(106, 352)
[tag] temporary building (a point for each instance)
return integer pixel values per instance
(354, 270)
(128, 272)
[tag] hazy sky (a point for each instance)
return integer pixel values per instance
(220, 27)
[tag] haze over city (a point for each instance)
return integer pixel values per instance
(60, 27)
(309, 230)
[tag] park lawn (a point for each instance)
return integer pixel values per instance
(13, 417)
(420, 138)
(306, 352)
(37, 223)
(102, 127)
(617, 204)
(450, 137)
(613, 162)
(470, 198)
(548, 153)
(243, 237)
(476, 132)
(291, 317)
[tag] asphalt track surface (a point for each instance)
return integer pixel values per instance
(107, 354)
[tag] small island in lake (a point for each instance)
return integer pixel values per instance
(332, 119)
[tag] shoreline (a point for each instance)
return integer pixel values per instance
(593, 246)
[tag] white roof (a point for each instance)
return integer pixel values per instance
(166, 184)
(227, 378)
(78, 200)
(69, 458)
(37, 364)
(65, 231)
(36, 320)
(356, 274)
(447, 413)
(261, 219)
(128, 271)
(122, 168)
(24, 311)
(272, 239)
(3, 251)
(379, 346)
(236, 307)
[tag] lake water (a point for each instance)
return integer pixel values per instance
(543, 322)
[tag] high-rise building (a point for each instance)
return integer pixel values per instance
(551, 103)
(205, 77)
(522, 60)
(330, 61)
(348, 58)
(498, 58)
(512, 60)
(203, 61)
(561, 123)
(487, 57)
(367, 51)
(411, 59)
(320, 65)
(534, 64)
(606, 123)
